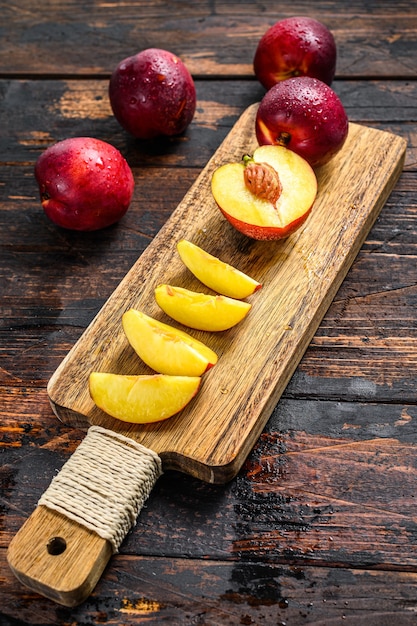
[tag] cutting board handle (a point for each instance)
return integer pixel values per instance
(83, 516)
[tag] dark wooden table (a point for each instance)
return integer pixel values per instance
(320, 525)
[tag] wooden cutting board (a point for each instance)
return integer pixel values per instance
(212, 436)
(300, 276)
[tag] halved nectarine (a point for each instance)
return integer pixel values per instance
(216, 274)
(166, 349)
(267, 196)
(142, 399)
(199, 310)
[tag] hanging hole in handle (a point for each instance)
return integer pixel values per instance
(56, 546)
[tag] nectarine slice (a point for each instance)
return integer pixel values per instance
(142, 399)
(166, 349)
(274, 200)
(199, 310)
(216, 274)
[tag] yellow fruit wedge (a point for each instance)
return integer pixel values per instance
(216, 274)
(142, 399)
(200, 310)
(166, 349)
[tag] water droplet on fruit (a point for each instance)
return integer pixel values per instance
(100, 163)
(132, 100)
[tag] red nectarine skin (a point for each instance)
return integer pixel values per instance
(152, 94)
(266, 233)
(295, 46)
(84, 183)
(306, 116)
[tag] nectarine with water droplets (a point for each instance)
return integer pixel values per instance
(152, 94)
(84, 183)
(295, 46)
(305, 115)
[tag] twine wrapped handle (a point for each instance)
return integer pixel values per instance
(94, 489)
(83, 516)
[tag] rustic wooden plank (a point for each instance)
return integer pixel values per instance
(371, 320)
(218, 41)
(300, 499)
(270, 507)
(67, 108)
(207, 562)
(268, 514)
(215, 593)
(114, 250)
(375, 275)
(350, 511)
(211, 460)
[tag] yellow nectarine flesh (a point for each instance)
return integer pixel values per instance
(216, 274)
(142, 399)
(166, 349)
(199, 310)
(270, 207)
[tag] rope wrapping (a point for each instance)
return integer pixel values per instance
(104, 484)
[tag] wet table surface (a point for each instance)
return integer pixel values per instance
(320, 524)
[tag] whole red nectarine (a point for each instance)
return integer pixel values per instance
(84, 183)
(295, 46)
(305, 115)
(152, 93)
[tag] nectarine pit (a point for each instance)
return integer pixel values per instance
(262, 180)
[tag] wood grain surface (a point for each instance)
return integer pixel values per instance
(214, 39)
(319, 525)
(212, 436)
